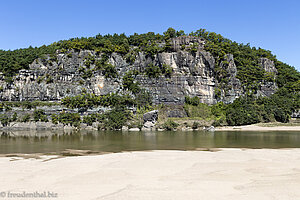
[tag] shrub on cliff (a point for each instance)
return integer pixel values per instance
(72, 119)
(4, 120)
(89, 119)
(86, 100)
(12, 61)
(201, 110)
(108, 70)
(39, 115)
(152, 71)
(195, 101)
(49, 79)
(170, 125)
(54, 118)
(25, 118)
(27, 105)
(167, 70)
(116, 118)
(14, 117)
(129, 83)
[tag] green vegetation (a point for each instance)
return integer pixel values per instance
(89, 119)
(170, 125)
(12, 61)
(246, 59)
(107, 70)
(14, 117)
(40, 79)
(39, 115)
(54, 119)
(29, 104)
(219, 112)
(153, 71)
(49, 79)
(248, 109)
(113, 119)
(244, 110)
(85, 73)
(26, 118)
(195, 125)
(201, 111)
(4, 120)
(116, 118)
(129, 83)
(72, 119)
(143, 99)
(86, 100)
(197, 110)
(167, 70)
(195, 101)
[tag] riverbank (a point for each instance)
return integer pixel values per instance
(262, 127)
(38, 126)
(233, 173)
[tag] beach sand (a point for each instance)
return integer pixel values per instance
(161, 175)
(255, 127)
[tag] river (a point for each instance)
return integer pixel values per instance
(56, 142)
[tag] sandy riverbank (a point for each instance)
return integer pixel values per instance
(255, 127)
(226, 174)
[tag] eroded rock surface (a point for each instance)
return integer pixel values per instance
(194, 74)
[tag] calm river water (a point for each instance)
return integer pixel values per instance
(41, 142)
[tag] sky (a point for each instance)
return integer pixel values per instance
(270, 24)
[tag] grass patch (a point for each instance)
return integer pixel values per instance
(202, 111)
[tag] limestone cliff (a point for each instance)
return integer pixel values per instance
(193, 74)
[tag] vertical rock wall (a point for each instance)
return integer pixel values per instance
(193, 75)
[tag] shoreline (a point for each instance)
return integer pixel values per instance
(161, 174)
(259, 127)
(48, 126)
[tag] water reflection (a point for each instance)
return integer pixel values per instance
(45, 141)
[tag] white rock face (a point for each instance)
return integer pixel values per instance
(193, 75)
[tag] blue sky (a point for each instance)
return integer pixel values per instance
(269, 24)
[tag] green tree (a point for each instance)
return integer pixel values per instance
(39, 115)
(116, 118)
(152, 71)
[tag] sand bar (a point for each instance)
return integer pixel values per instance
(255, 127)
(166, 175)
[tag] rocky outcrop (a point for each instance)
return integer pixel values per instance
(51, 79)
(233, 88)
(150, 119)
(268, 65)
(151, 116)
(296, 114)
(267, 88)
(187, 42)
